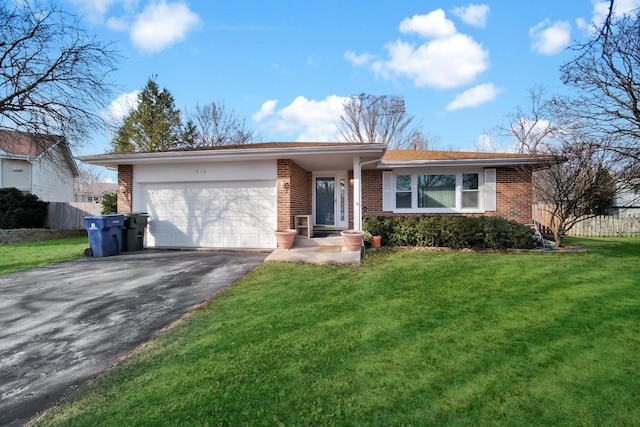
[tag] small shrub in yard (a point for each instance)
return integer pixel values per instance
(109, 203)
(458, 232)
(20, 210)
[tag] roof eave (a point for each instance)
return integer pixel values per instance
(459, 162)
(110, 160)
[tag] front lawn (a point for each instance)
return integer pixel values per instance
(16, 257)
(410, 338)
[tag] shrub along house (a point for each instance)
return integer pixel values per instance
(236, 196)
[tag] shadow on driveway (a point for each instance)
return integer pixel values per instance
(62, 325)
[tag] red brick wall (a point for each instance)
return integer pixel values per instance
(125, 188)
(295, 197)
(513, 187)
(514, 194)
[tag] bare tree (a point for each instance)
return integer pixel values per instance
(578, 179)
(89, 175)
(603, 75)
(54, 76)
(576, 187)
(375, 119)
(217, 126)
(535, 126)
(416, 139)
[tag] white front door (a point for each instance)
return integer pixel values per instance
(330, 198)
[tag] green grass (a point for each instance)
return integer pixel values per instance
(410, 338)
(16, 257)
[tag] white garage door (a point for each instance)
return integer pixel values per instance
(231, 214)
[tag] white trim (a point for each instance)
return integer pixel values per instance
(388, 187)
(388, 193)
(337, 176)
(230, 154)
(490, 193)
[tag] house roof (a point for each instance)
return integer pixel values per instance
(23, 145)
(320, 155)
(413, 158)
(309, 155)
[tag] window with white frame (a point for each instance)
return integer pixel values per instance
(440, 191)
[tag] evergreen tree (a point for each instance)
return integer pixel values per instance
(154, 125)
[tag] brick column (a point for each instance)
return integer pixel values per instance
(514, 194)
(294, 192)
(125, 188)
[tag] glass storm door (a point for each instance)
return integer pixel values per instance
(325, 201)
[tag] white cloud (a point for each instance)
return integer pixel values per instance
(473, 14)
(356, 59)
(442, 64)
(473, 97)
(118, 24)
(550, 38)
(432, 25)
(304, 120)
(96, 10)
(621, 7)
(265, 111)
(120, 107)
(162, 24)
(447, 59)
(487, 143)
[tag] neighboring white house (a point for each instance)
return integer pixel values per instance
(46, 169)
(94, 192)
(626, 202)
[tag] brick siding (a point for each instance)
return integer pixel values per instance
(295, 197)
(513, 193)
(125, 188)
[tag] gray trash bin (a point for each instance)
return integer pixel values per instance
(133, 231)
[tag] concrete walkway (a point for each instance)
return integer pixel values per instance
(63, 325)
(321, 250)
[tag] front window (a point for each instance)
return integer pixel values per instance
(437, 191)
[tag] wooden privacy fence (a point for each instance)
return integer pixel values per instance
(597, 226)
(69, 216)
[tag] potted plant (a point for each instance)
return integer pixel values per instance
(375, 241)
(285, 238)
(352, 239)
(373, 228)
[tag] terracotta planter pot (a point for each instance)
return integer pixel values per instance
(375, 241)
(285, 238)
(352, 239)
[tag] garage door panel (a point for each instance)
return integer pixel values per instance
(210, 214)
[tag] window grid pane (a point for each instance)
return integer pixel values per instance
(403, 191)
(470, 190)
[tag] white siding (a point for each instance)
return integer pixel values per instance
(15, 173)
(52, 178)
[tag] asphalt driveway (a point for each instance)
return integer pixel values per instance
(62, 325)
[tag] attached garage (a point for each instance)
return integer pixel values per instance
(228, 214)
(208, 205)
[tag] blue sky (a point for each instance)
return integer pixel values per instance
(287, 66)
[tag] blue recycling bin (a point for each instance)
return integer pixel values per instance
(105, 234)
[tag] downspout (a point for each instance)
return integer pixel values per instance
(357, 190)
